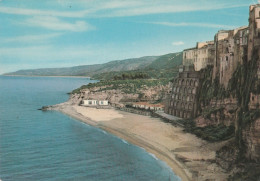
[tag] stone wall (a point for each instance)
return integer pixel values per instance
(183, 100)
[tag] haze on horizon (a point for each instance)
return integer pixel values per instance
(62, 33)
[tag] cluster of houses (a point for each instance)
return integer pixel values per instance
(147, 106)
(228, 49)
(138, 105)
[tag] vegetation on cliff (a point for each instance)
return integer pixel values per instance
(212, 133)
(243, 82)
(210, 89)
(126, 76)
(126, 86)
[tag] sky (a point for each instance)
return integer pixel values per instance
(64, 33)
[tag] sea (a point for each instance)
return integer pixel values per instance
(37, 145)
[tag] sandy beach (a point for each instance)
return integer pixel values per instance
(189, 157)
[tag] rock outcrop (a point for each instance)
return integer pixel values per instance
(251, 137)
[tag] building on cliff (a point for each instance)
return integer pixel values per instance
(183, 100)
(232, 45)
(225, 53)
(254, 45)
(241, 44)
(254, 30)
(230, 49)
(200, 56)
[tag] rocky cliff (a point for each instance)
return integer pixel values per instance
(251, 136)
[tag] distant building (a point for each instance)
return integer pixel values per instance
(95, 103)
(183, 100)
(189, 56)
(205, 55)
(200, 56)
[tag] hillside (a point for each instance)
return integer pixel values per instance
(100, 71)
(165, 66)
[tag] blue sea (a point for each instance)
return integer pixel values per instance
(36, 145)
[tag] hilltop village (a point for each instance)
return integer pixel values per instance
(219, 83)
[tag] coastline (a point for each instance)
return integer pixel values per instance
(45, 76)
(168, 143)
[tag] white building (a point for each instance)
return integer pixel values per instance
(103, 103)
(95, 103)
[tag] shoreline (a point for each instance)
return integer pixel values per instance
(125, 128)
(45, 76)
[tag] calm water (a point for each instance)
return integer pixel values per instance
(36, 145)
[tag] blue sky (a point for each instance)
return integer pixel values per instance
(62, 33)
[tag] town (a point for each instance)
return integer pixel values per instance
(214, 95)
(223, 58)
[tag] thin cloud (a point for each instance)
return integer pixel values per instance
(116, 8)
(54, 23)
(37, 12)
(31, 38)
(183, 24)
(178, 43)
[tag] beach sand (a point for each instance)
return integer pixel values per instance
(189, 157)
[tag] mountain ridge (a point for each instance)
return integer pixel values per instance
(131, 64)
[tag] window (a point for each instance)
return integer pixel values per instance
(90, 102)
(226, 58)
(227, 50)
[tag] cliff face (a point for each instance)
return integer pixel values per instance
(218, 112)
(251, 137)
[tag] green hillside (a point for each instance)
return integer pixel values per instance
(164, 66)
(168, 61)
(90, 70)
